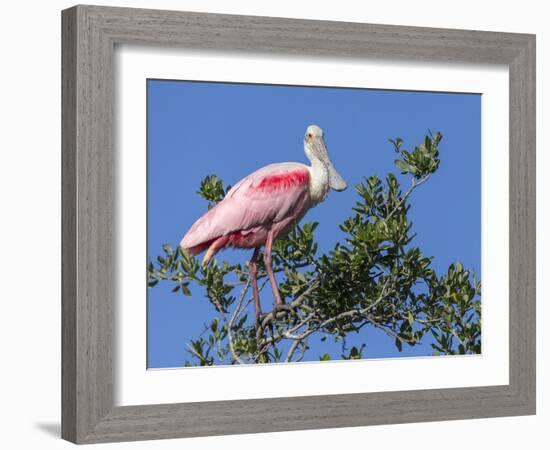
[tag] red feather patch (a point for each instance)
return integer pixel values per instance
(285, 180)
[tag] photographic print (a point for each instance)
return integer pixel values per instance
(292, 224)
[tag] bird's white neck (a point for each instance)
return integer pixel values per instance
(318, 181)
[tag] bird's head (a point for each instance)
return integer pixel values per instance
(315, 148)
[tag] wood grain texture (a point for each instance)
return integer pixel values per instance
(68, 225)
(88, 304)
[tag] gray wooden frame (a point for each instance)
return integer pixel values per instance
(89, 36)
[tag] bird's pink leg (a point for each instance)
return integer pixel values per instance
(268, 266)
(253, 268)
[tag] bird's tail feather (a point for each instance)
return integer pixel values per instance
(214, 248)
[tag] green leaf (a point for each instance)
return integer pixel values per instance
(398, 344)
(403, 166)
(185, 290)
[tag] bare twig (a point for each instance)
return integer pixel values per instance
(291, 350)
(414, 184)
(294, 347)
(303, 351)
(300, 324)
(236, 312)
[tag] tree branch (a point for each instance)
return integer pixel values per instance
(351, 313)
(274, 314)
(414, 184)
(236, 312)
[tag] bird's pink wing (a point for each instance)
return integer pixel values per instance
(267, 196)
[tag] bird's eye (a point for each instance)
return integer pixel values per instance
(309, 135)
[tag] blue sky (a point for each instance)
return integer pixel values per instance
(229, 129)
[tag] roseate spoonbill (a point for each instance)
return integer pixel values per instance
(264, 206)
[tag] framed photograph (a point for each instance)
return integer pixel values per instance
(279, 224)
